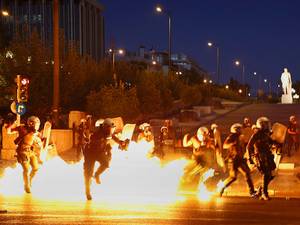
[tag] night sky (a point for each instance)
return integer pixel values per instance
(263, 34)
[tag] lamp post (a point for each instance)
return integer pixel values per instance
(270, 88)
(258, 75)
(210, 44)
(265, 86)
(160, 9)
(238, 63)
(56, 60)
(277, 90)
(113, 53)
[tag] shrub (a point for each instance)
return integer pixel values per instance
(191, 95)
(113, 102)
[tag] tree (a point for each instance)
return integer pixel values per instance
(112, 102)
(148, 94)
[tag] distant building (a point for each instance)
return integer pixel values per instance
(158, 60)
(81, 20)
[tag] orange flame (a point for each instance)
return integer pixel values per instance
(133, 177)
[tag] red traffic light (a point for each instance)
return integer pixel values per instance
(23, 88)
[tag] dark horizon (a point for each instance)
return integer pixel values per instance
(261, 34)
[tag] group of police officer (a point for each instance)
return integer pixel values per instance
(238, 152)
(100, 141)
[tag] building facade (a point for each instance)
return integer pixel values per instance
(81, 21)
(158, 60)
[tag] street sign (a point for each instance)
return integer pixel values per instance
(20, 108)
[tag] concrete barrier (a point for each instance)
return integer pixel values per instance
(189, 115)
(286, 166)
(63, 139)
(203, 110)
(160, 122)
(75, 117)
(8, 146)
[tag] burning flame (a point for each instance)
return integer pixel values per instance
(220, 185)
(133, 177)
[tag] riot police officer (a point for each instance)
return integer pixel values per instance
(28, 140)
(146, 135)
(99, 150)
(259, 150)
(235, 159)
(201, 159)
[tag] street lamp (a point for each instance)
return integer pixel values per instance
(238, 63)
(210, 44)
(4, 13)
(113, 53)
(258, 80)
(160, 9)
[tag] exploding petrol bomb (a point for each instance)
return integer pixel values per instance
(133, 176)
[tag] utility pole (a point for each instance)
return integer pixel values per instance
(170, 40)
(218, 65)
(55, 108)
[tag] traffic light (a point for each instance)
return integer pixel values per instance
(22, 89)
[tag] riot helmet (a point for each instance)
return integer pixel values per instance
(263, 123)
(213, 126)
(202, 133)
(236, 128)
(146, 128)
(293, 119)
(99, 123)
(34, 123)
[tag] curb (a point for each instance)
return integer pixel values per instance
(272, 193)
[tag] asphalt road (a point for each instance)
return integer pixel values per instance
(227, 210)
(275, 112)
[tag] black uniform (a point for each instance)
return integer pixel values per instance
(166, 141)
(98, 150)
(236, 162)
(259, 148)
